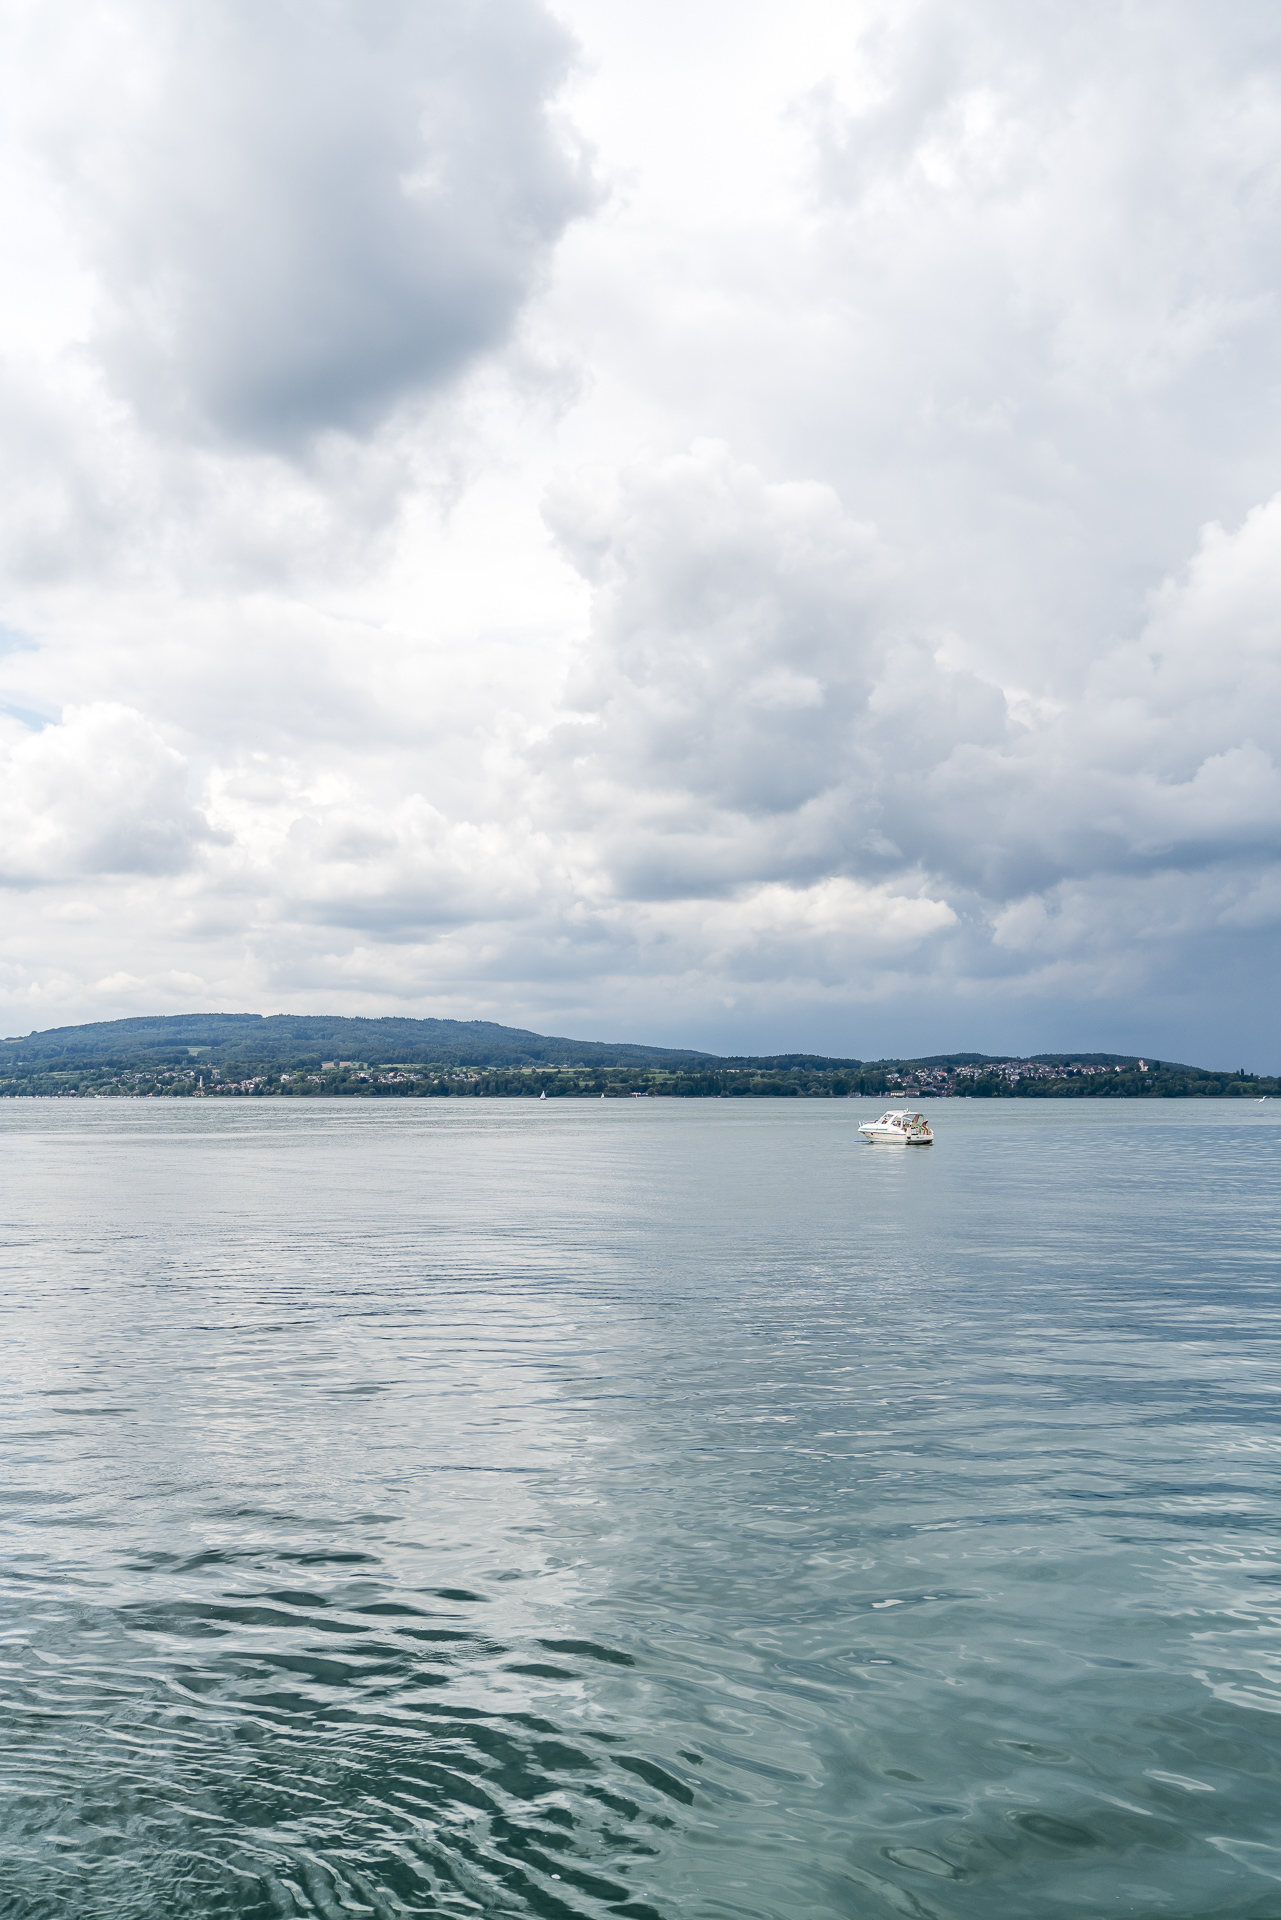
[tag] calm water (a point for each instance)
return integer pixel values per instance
(644, 1508)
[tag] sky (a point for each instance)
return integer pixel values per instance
(753, 527)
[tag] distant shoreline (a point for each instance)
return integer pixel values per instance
(891, 1098)
(296, 1056)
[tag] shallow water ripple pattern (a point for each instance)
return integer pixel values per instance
(639, 1508)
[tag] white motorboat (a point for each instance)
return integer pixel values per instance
(898, 1128)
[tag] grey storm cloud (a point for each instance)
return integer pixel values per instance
(301, 213)
(734, 631)
(752, 702)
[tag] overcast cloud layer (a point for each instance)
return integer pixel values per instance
(747, 527)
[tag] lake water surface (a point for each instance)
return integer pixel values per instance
(653, 1508)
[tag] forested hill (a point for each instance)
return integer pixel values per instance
(293, 1055)
(252, 1040)
(226, 1039)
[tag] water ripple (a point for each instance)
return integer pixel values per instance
(680, 1511)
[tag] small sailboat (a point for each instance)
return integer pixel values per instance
(898, 1128)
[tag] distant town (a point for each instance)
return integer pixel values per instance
(251, 1056)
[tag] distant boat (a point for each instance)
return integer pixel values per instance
(898, 1128)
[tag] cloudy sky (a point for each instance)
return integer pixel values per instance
(752, 526)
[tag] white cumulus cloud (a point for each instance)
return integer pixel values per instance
(804, 574)
(100, 793)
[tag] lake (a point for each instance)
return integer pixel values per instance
(647, 1508)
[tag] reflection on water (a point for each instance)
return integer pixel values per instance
(647, 1508)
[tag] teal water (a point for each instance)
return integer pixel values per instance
(648, 1508)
